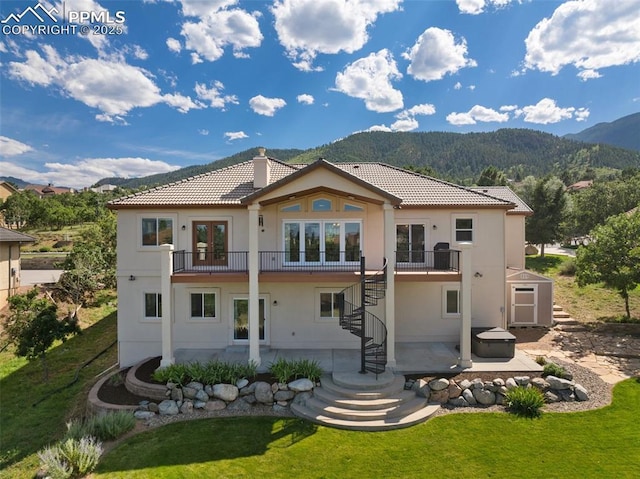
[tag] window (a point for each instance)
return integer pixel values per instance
(322, 241)
(451, 302)
(203, 306)
(291, 208)
(210, 243)
(157, 231)
(410, 240)
(152, 306)
(322, 204)
(328, 305)
(349, 207)
(464, 230)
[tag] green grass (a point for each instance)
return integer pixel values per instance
(588, 303)
(26, 427)
(592, 444)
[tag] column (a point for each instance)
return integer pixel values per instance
(465, 301)
(390, 298)
(254, 286)
(166, 269)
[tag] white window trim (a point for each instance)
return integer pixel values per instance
(150, 319)
(474, 228)
(267, 317)
(198, 319)
(318, 303)
(322, 221)
(451, 287)
(140, 217)
(412, 222)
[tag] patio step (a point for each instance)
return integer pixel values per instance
(366, 404)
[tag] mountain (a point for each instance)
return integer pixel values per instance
(623, 132)
(17, 182)
(454, 156)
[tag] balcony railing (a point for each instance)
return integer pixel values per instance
(316, 261)
(425, 261)
(210, 261)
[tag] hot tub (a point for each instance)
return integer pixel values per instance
(493, 343)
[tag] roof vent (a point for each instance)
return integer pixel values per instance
(261, 169)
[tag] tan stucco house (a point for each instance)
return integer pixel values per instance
(268, 254)
(10, 242)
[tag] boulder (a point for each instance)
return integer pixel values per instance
(581, 393)
(454, 390)
(441, 396)
(551, 397)
(540, 383)
(283, 396)
(176, 394)
(559, 383)
(153, 407)
(189, 392)
(522, 380)
(239, 405)
(215, 405)
(468, 396)
(464, 384)
(484, 397)
(300, 385)
(242, 383)
(143, 415)
(187, 407)
(168, 407)
(438, 384)
(199, 404)
(459, 401)
(226, 392)
(422, 389)
(302, 398)
(195, 385)
(201, 395)
(263, 392)
(511, 383)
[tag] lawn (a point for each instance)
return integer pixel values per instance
(594, 444)
(33, 413)
(589, 303)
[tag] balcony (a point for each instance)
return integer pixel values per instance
(428, 261)
(209, 262)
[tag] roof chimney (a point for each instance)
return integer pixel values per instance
(261, 169)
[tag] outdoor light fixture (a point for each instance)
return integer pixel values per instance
(260, 220)
(184, 227)
(132, 278)
(478, 274)
(435, 227)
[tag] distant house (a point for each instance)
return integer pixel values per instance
(104, 188)
(10, 242)
(48, 190)
(268, 254)
(580, 185)
(6, 190)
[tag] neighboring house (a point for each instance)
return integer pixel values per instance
(6, 190)
(260, 253)
(10, 242)
(44, 191)
(580, 185)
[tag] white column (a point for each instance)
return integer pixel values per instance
(390, 298)
(166, 269)
(254, 286)
(465, 300)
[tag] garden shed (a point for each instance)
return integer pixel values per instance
(529, 299)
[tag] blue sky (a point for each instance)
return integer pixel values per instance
(158, 85)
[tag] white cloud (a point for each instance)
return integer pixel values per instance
(457, 86)
(195, 58)
(140, 53)
(306, 99)
(407, 118)
(377, 128)
(174, 45)
(370, 79)
(405, 124)
(308, 27)
(475, 7)
(589, 34)
(218, 27)
(88, 171)
(98, 84)
(235, 135)
(436, 54)
(476, 114)
(585, 75)
(203, 132)
(10, 147)
(214, 95)
(547, 111)
(266, 106)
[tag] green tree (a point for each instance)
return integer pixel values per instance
(33, 326)
(548, 201)
(613, 256)
(492, 176)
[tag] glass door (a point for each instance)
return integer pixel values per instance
(210, 243)
(241, 320)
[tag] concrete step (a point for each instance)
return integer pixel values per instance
(564, 321)
(399, 409)
(385, 389)
(557, 307)
(571, 328)
(332, 399)
(561, 314)
(385, 424)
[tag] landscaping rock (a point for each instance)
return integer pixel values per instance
(201, 395)
(454, 390)
(187, 407)
(301, 385)
(551, 397)
(189, 392)
(199, 404)
(522, 380)
(540, 383)
(143, 415)
(195, 385)
(459, 402)
(215, 405)
(168, 407)
(559, 383)
(484, 397)
(239, 405)
(283, 396)
(441, 396)
(302, 398)
(580, 393)
(438, 384)
(263, 392)
(242, 383)
(226, 392)
(153, 407)
(465, 384)
(468, 396)
(422, 389)
(176, 394)
(511, 383)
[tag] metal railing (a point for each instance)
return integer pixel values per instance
(210, 261)
(425, 261)
(317, 261)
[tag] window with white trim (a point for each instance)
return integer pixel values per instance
(327, 309)
(203, 306)
(410, 243)
(322, 241)
(152, 306)
(157, 231)
(451, 301)
(463, 228)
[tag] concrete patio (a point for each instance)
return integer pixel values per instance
(411, 358)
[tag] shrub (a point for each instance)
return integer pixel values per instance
(553, 369)
(44, 249)
(213, 372)
(568, 267)
(71, 458)
(285, 370)
(525, 402)
(175, 373)
(541, 360)
(106, 427)
(307, 368)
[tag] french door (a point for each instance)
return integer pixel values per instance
(240, 308)
(210, 243)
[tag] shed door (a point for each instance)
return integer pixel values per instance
(524, 303)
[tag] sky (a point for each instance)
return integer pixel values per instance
(90, 89)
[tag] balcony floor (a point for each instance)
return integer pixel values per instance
(411, 358)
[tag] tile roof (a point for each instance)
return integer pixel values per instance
(506, 193)
(10, 236)
(228, 186)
